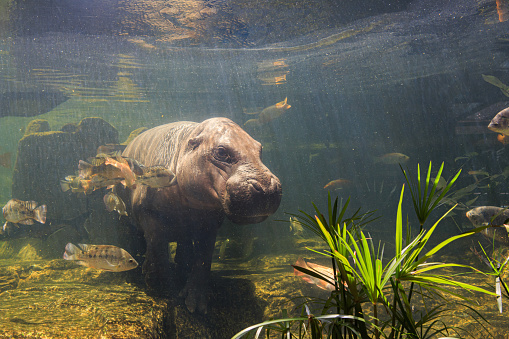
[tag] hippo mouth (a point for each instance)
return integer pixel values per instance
(252, 201)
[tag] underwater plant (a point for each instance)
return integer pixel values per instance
(425, 203)
(370, 299)
(497, 269)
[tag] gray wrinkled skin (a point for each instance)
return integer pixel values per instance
(219, 174)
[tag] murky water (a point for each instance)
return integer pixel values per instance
(369, 85)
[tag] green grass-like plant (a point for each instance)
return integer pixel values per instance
(424, 199)
(367, 283)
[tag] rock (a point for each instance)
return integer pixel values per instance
(37, 126)
(45, 158)
(133, 135)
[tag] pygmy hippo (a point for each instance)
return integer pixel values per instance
(219, 173)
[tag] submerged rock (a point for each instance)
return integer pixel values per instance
(46, 157)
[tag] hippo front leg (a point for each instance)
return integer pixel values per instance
(196, 290)
(156, 266)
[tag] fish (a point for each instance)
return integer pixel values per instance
(156, 177)
(6, 160)
(478, 172)
(114, 203)
(94, 166)
(392, 159)
(99, 181)
(110, 149)
(122, 164)
(23, 212)
(488, 215)
(497, 233)
(76, 184)
(326, 272)
(497, 217)
(337, 184)
(270, 113)
(502, 10)
(296, 227)
(102, 257)
(503, 139)
(500, 123)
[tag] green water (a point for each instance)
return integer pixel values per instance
(363, 79)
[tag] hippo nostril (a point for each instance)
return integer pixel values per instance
(256, 185)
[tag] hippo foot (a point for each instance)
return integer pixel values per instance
(196, 299)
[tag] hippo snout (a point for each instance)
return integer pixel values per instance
(253, 200)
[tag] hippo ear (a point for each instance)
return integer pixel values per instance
(193, 143)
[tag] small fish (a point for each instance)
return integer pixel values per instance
(124, 168)
(270, 113)
(324, 271)
(23, 212)
(102, 257)
(392, 159)
(114, 203)
(488, 215)
(96, 166)
(500, 123)
(503, 139)
(497, 217)
(337, 184)
(502, 10)
(222, 249)
(497, 233)
(156, 177)
(110, 149)
(280, 63)
(99, 181)
(479, 172)
(296, 227)
(6, 160)
(76, 184)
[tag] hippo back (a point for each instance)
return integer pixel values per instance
(160, 145)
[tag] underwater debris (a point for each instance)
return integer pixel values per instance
(496, 82)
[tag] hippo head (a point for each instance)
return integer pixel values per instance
(220, 167)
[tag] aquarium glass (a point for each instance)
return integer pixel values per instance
(342, 95)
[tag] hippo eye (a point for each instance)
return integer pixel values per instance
(223, 155)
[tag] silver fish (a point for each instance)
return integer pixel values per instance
(500, 123)
(23, 212)
(493, 216)
(114, 203)
(102, 257)
(296, 227)
(156, 177)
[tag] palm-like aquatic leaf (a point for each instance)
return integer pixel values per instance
(425, 203)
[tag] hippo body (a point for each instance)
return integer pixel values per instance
(219, 174)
